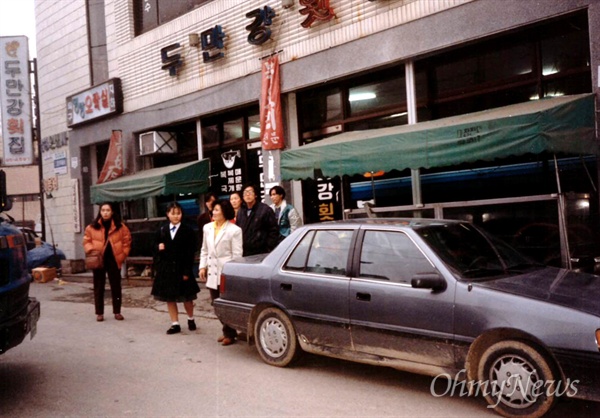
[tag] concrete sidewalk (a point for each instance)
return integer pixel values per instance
(136, 293)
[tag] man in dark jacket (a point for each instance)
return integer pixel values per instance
(259, 225)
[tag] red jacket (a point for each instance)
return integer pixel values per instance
(120, 240)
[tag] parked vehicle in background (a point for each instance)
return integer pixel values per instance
(19, 313)
(41, 253)
(440, 298)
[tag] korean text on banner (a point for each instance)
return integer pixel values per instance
(113, 166)
(271, 127)
(15, 100)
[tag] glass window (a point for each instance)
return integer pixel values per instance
(297, 260)
(254, 126)
(148, 14)
(324, 252)
(233, 130)
(320, 107)
(210, 136)
(329, 252)
(391, 256)
(379, 95)
(550, 59)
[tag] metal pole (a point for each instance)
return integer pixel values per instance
(38, 136)
(565, 252)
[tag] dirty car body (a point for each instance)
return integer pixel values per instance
(440, 298)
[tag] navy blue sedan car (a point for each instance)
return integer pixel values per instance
(434, 297)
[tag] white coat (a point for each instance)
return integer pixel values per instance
(216, 251)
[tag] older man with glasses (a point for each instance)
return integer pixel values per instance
(259, 225)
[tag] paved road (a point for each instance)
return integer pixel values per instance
(76, 367)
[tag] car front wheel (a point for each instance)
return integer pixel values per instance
(516, 380)
(275, 337)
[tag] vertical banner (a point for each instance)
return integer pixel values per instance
(15, 101)
(113, 166)
(75, 204)
(271, 127)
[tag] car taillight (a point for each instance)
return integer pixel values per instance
(597, 337)
(222, 286)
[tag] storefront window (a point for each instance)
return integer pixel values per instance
(357, 104)
(254, 127)
(544, 61)
(232, 143)
(151, 13)
(233, 131)
(377, 96)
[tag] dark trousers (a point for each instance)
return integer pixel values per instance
(228, 332)
(114, 279)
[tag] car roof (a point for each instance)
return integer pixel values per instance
(411, 223)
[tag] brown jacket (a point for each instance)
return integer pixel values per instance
(120, 240)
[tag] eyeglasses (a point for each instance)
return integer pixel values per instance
(248, 191)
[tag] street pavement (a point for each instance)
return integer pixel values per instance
(136, 294)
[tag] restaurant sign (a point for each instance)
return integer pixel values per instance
(15, 101)
(97, 102)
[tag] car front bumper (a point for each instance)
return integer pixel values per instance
(14, 331)
(581, 372)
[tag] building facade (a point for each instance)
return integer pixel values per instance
(181, 81)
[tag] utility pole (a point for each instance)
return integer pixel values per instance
(38, 136)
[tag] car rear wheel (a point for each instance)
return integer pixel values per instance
(275, 337)
(516, 380)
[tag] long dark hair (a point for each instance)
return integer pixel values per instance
(97, 224)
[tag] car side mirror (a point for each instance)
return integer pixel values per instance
(431, 281)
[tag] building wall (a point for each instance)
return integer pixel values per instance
(63, 69)
(138, 58)
(364, 35)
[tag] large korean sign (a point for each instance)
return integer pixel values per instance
(97, 102)
(271, 125)
(15, 101)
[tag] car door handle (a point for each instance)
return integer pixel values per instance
(285, 286)
(366, 297)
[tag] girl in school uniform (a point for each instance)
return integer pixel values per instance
(174, 281)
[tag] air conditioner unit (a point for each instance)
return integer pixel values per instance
(156, 142)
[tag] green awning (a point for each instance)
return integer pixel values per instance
(174, 179)
(558, 125)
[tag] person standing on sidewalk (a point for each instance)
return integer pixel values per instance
(112, 238)
(174, 249)
(258, 223)
(288, 218)
(222, 243)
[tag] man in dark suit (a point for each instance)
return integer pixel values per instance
(259, 225)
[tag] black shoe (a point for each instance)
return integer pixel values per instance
(191, 325)
(174, 329)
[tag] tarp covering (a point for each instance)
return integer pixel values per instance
(558, 125)
(174, 179)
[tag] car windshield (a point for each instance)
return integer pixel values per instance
(472, 254)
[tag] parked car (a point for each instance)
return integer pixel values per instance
(440, 298)
(40, 253)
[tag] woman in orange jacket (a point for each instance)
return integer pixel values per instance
(112, 237)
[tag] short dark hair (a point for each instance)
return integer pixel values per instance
(254, 188)
(226, 208)
(171, 206)
(278, 190)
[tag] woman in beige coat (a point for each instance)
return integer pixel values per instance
(222, 242)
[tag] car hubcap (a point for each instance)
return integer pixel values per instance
(273, 337)
(515, 381)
